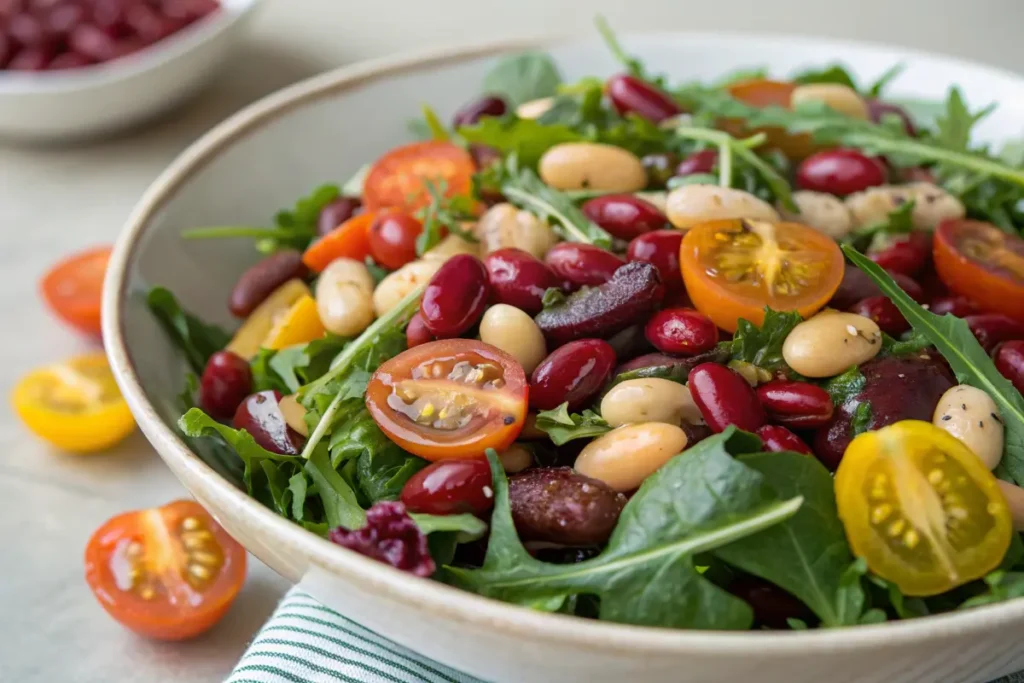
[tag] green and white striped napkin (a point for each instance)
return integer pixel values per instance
(305, 642)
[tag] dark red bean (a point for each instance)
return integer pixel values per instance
(800, 405)
(30, 59)
(488, 105)
(147, 23)
(455, 297)
(1009, 357)
(624, 215)
(416, 332)
(681, 331)
(109, 15)
(703, 161)
(906, 254)
(884, 313)
(335, 213)
(93, 42)
(957, 305)
(932, 286)
(6, 49)
(660, 167)
(450, 487)
(992, 328)
(68, 60)
(628, 94)
(777, 439)
(519, 279)
(226, 381)
(773, 607)
(572, 373)
(877, 110)
(260, 415)
(582, 264)
(856, 285)
(560, 505)
(63, 17)
(724, 398)
(840, 172)
(28, 30)
(660, 248)
(259, 281)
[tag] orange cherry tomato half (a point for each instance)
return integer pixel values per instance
(449, 399)
(764, 92)
(168, 573)
(351, 240)
(734, 268)
(73, 289)
(983, 264)
(398, 179)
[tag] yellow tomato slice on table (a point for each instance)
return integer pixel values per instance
(75, 405)
(734, 268)
(921, 508)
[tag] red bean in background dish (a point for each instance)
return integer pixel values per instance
(260, 415)
(725, 398)
(907, 254)
(884, 313)
(519, 279)
(1009, 358)
(681, 331)
(992, 328)
(800, 405)
(572, 373)
(584, 265)
(778, 439)
(226, 381)
(840, 172)
(630, 95)
(623, 215)
(660, 248)
(455, 297)
(472, 112)
(30, 59)
(450, 487)
(335, 213)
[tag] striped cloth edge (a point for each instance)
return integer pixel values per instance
(306, 642)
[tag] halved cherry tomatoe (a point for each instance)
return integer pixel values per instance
(168, 573)
(453, 398)
(764, 92)
(983, 264)
(73, 287)
(921, 508)
(399, 178)
(734, 268)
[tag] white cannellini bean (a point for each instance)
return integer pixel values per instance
(972, 416)
(592, 166)
(344, 297)
(689, 205)
(624, 457)
(453, 245)
(842, 98)
(932, 205)
(1015, 501)
(831, 343)
(505, 226)
(515, 333)
(823, 212)
(534, 109)
(649, 400)
(397, 285)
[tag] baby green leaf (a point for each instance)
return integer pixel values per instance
(762, 346)
(563, 427)
(526, 138)
(523, 77)
(525, 189)
(196, 339)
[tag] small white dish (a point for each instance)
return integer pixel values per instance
(85, 102)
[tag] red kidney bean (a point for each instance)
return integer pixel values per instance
(259, 281)
(450, 487)
(906, 254)
(488, 105)
(93, 42)
(28, 30)
(776, 439)
(624, 215)
(30, 59)
(877, 110)
(840, 172)
(1009, 357)
(724, 398)
(519, 279)
(628, 94)
(560, 505)
(800, 405)
(773, 607)
(660, 167)
(6, 49)
(226, 381)
(681, 331)
(681, 366)
(884, 313)
(455, 297)
(703, 161)
(856, 285)
(660, 248)
(572, 373)
(68, 60)
(260, 415)
(416, 332)
(991, 328)
(582, 264)
(335, 213)
(957, 305)
(932, 286)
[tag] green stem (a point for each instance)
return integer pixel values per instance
(544, 208)
(924, 151)
(222, 231)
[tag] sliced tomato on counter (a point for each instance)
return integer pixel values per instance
(75, 405)
(921, 508)
(734, 268)
(351, 240)
(399, 178)
(449, 399)
(73, 289)
(168, 573)
(983, 264)
(764, 92)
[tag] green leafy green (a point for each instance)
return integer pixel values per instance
(303, 363)
(898, 222)
(834, 73)
(564, 427)
(762, 346)
(468, 527)
(353, 187)
(844, 387)
(699, 501)
(1002, 586)
(882, 82)
(434, 125)
(526, 138)
(196, 339)
(341, 506)
(633, 65)
(443, 215)
(523, 77)
(971, 365)
(264, 378)
(953, 127)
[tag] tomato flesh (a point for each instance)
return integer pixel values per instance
(734, 268)
(168, 573)
(449, 399)
(73, 289)
(921, 508)
(983, 264)
(399, 178)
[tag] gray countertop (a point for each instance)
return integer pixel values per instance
(54, 200)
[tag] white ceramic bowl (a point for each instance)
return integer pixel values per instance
(80, 103)
(325, 128)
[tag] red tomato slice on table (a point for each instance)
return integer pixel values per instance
(73, 289)
(399, 178)
(983, 264)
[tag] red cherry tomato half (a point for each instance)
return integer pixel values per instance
(449, 399)
(982, 263)
(73, 288)
(399, 178)
(393, 238)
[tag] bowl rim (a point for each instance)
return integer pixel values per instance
(433, 598)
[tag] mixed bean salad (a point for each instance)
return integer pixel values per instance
(717, 356)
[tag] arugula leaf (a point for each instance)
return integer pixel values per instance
(971, 365)
(468, 527)
(299, 488)
(443, 214)
(523, 77)
(882, 82)
(264, 378)
(633, 65)
(697, 502)
(434, 125)
(743, 74)
(807, 554)
(762, 346)
(303, 363)
(953, 128)
(898, 222)
(1002, 586)
(196, 339)
(341, 507)
(844, 387)
(834, 73)
(526, 138)
(563, 427)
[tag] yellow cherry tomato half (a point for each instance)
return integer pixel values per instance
(75, 405)
(921, 508)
